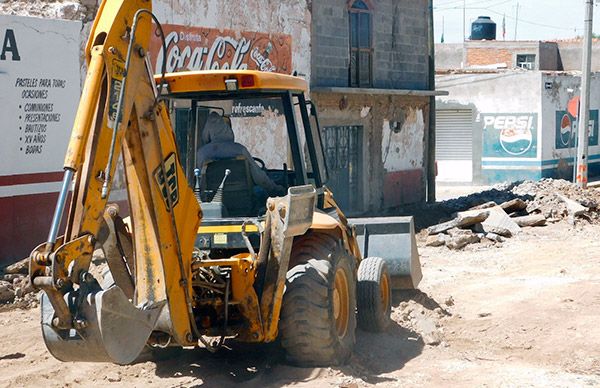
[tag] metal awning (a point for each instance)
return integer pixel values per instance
(376, 91)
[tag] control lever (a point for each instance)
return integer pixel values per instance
(197, 185)
(219, 194)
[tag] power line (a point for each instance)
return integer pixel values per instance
(446, 6)
(521, 20)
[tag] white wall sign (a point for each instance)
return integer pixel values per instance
(39, 93)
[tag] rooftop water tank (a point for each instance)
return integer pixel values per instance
(483, 29)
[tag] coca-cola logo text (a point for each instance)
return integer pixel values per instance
(191, 48)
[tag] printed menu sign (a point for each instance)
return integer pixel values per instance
(40, 85)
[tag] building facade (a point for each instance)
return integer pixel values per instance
(370, 79)
(506, 118)
(499, 126)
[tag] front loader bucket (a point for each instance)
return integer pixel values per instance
(392, 239)
(115, 330)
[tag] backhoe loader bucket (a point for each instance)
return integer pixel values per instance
(111, 328)
(392, 239)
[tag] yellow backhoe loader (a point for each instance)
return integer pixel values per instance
(260, 267)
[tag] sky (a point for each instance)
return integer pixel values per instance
(537, 19)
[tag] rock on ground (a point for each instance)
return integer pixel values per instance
(7, 293)
(460, 238)
(500, 223)
(463, 219)
(530, 220)
(20, 267)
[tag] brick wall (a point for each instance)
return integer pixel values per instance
(399, 33)
(488, 56)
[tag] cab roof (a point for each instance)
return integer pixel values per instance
(207, 81)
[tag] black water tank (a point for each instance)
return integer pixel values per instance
(483, 28)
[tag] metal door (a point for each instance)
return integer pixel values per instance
(454, 145)
(343, 153)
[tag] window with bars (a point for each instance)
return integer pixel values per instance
(361, 51)
(526, 61)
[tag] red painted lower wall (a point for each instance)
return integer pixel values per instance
(403, 187)
(24, 223)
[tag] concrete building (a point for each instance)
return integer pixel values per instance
(506, 118)
(530, 55)
(498, 126)
(370, 79)
(367, 63)
(562, 55)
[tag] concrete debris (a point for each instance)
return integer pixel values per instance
(17, 291)
(494, 237)
(514, 205)
(463, 219)
(461, 238)
(500, 223)
(436, 240)
(531, 220)
(7, 292)
(419, 315)
(20, 267)
(496, 214)
(486, 205)
(574, 208)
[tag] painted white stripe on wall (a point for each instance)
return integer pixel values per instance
(34, 188)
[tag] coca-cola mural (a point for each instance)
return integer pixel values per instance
(196, 48)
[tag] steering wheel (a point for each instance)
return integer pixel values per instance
(261, 163)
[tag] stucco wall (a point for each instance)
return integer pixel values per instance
(393, 144)
(291, 17)
(449, 56)
(571, 55)
(558, 151)
(544, 94)
(287, 16)
(511, 93)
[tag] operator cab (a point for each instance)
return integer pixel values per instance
(243, 136)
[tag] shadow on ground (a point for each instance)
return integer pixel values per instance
(262, 365)
(12, 356)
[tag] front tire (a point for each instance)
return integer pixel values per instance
(318, 320)
(374, 295)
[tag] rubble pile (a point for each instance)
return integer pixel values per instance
(423, 316)
(15, 288)
(83, 10)
(495, 215)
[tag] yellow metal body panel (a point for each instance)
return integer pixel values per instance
(164, 211)
(226, 229)
(243, 274)
(214, 81)
(324, 221)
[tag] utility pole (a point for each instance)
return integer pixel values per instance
(464, 20)
(516, 20)
(584, 107)
(430, 134)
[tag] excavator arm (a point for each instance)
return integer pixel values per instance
(119, 115)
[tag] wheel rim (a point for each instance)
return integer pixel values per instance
(341, 303)
(384, 292)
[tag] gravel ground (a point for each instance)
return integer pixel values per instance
(521, 313)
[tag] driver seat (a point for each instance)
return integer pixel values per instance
(238, 191)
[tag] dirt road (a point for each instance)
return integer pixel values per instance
(523, 314)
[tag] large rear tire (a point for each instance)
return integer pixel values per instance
(374, 295)
(318, 319)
